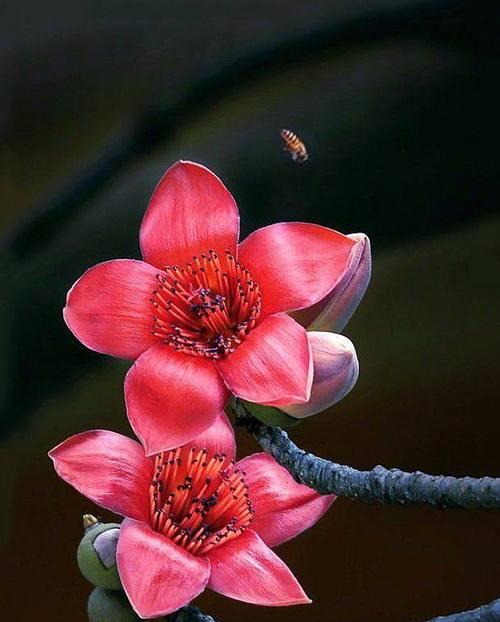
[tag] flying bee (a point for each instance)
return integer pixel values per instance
(294, 146)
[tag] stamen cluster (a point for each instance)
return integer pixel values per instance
(208, 307)
(197, 500)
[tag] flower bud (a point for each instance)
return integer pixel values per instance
(110, 606)
(336, 370)
(97, 553)
(334, 311)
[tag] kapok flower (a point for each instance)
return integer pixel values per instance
(203, 315)
(193, 517)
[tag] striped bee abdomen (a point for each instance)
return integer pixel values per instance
(294, 145)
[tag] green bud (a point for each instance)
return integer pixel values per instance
(106, 606)
(271, 415)
(97, 553)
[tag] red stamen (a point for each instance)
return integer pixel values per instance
(198, 500)
(208, 307)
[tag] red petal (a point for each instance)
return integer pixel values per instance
(190, 212)
(246, 569)
(109, 308)
(108, 468)
(334, 311)
(218, 438)
(157, 575)
(295, 264)
(273, 365)
(283, 508)
(172, 397)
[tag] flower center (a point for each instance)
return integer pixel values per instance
(208, 307)
(197, 500)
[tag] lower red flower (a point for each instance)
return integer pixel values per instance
(193, 517)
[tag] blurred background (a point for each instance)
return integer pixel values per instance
(398, 103)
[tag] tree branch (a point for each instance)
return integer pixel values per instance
(485, 613)
(189, 614)
(380, 484)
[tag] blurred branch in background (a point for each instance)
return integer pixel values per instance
(94, 216)
(162, 123)
(379, 484)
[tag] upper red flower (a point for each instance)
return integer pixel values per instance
(194, 518)
(203, 315)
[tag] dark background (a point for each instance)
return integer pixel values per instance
(398, 102)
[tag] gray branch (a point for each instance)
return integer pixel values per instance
(189, 614)
(485, 613)
(380, 484)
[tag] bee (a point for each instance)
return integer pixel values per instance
(294, 145)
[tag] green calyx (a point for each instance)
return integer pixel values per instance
(271, 415)
(96, 555)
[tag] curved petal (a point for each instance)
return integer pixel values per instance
(109, 308)
(190, 212)
(157, 575)
(172, 397)
(108, 468)
(273, 364)
(336, 370)
(246, 569)
(218, 438)
(283, 508)
(334, 311)
(295, 264)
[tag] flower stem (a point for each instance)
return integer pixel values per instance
(380, 484)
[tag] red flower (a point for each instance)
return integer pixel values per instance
(203, 315)
(194, 518)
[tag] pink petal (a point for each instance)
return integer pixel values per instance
(157, 575)
(172, 397)
(283, 508)
(295, 264)
(190, 212)
(273, 364)
(334, 311)
(218, 438)
(108, 468)
(109, 308)
(336, 370)
(246, 569)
